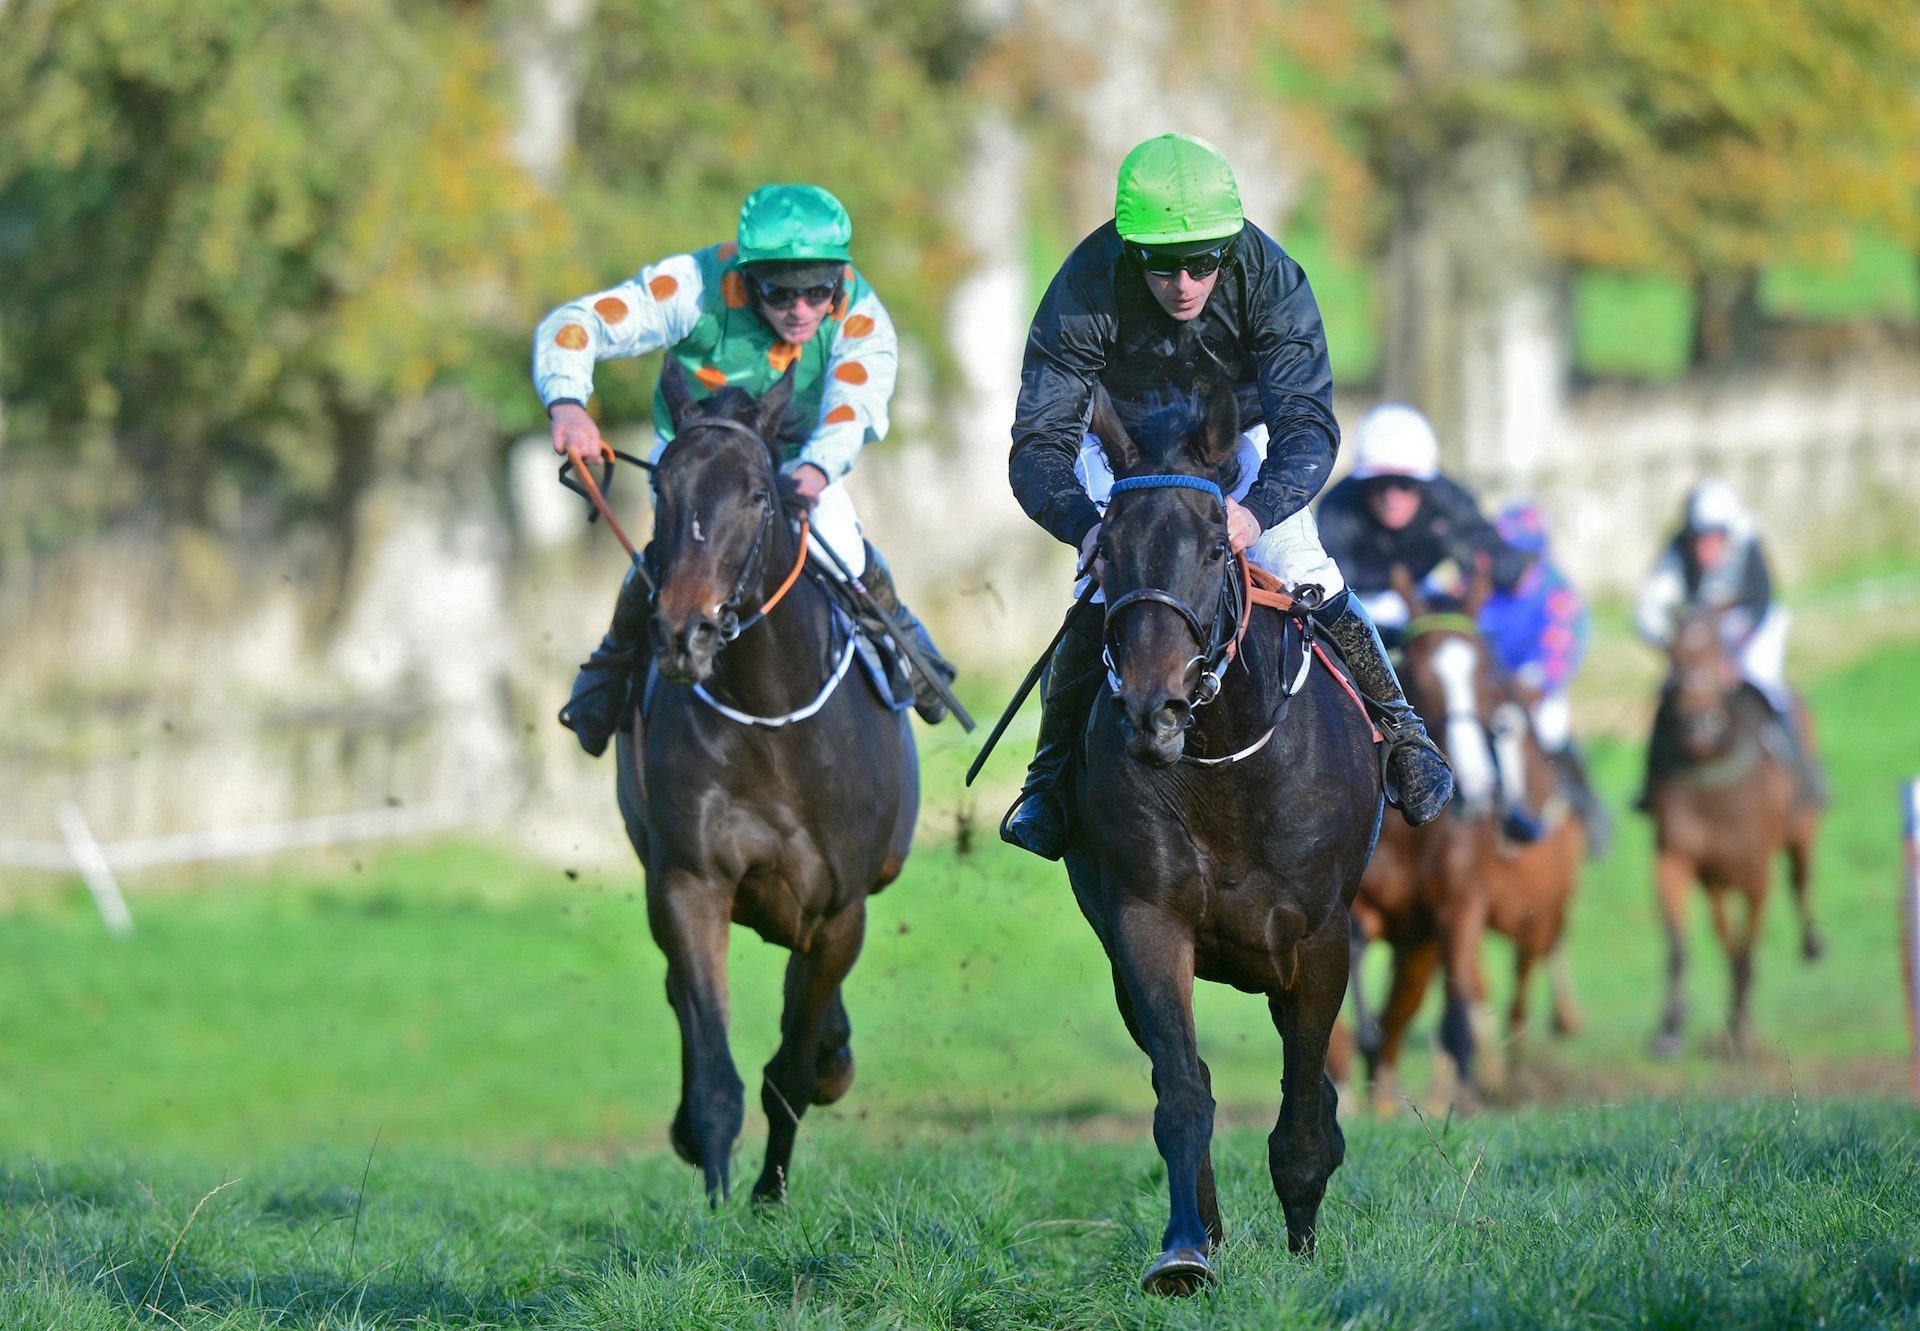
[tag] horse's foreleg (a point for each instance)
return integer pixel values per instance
(1208, 1192)
(1306, 1145)
(1462, 927)
(1740, 940)
(1366, 1028)
(1154, 955)
(690, 918)
(1523, 960)
(1800, 879)
(791, 1080)
(1413, 967)
(1673, 878)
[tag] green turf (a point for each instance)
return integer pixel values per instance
(1735, 1215)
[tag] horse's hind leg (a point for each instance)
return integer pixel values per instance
(1739, 941)
(1566, 1009)
(791, 1080)
(1673, 878)
(1209, 1193)
(1306, 1145)
(690, 918)
(1154, 956)
(836, 1053)
(1366, 1027)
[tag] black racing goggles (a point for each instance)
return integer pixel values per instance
(775, 296)
(1196, 263)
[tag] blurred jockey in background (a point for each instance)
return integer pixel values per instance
(1715, 560)
(1397, 510)
(1538, 629)
(781, 293)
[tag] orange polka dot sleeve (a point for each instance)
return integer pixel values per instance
(861, 366)
(655, 309)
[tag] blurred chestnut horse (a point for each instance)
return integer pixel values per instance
(787, 823)
(1224, 814)
(1724, 802)
(1431, 892)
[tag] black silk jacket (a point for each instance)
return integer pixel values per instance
(1099, 323)
(1449, 525)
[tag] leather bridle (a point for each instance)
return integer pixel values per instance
(1218, 640)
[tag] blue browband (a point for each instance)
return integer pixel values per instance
(1169, 481)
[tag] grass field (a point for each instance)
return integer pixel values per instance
(497, 1027)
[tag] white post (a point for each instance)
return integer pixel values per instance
(91, 861)
(1910, 921)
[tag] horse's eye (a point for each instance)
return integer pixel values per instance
(762, 497)
(1220, 550)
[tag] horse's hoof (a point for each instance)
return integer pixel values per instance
(834, 1077)
(1178, 1272)
(1812, 947)
(769, 1198)
(1665, 1045)
(1567, 1024)
(684, 1146)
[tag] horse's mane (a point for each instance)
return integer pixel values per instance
(1164, 423)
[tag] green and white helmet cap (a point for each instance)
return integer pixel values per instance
(1176, 190)
(793, 224)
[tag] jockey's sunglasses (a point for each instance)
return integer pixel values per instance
(778, 297)
(1197, 264)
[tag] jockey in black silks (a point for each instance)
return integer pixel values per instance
(1177, 288)
(1398, 510)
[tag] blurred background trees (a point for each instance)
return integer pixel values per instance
(235, 238)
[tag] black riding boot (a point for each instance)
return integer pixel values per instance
(593, 710)
(878, 580)
(1570, 765)
(1810, 779)
(1038, 819)
(1414, 763)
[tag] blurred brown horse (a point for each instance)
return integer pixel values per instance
(1432, 892)
(772, 787)
(1724, 802)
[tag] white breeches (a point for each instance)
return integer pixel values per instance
(1553, 721)
(1763, 659)
(836, 524)
(1290, 550)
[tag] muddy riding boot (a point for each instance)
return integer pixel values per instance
(1038, 822)
(593, 710)
(878, 580)
(1570, 766)
(1415, 764)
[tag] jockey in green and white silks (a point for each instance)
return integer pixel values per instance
(782, 293)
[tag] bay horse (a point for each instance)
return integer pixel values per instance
(1221, 826)
(767, 785)
(1432, 892)
(1724, 802)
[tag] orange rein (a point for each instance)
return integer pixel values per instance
(793, 574)
(581, 470)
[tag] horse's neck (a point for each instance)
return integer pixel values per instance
(775, 665)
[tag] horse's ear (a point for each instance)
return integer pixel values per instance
(1479, 586)
(674, 392)
(1403, 585)
(1220, 428)
(770, 412)
(1122, 453)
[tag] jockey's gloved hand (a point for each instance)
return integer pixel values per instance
(803, 485)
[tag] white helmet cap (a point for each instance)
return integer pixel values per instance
(1713, 506)
(1395, 440)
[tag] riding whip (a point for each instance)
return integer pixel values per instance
(1033, 677)
(907, 646)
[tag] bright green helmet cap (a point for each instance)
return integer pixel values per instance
(793, 222)
(1176, 188)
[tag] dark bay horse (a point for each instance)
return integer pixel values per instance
(1432, 892)
(785, 816)
(1724, 802)
(1221, 827)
